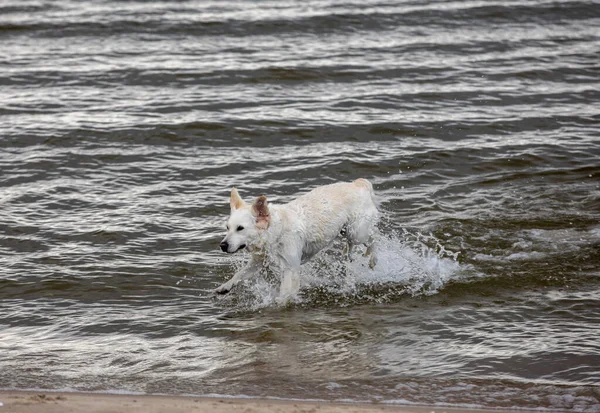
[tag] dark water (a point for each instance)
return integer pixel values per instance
(123, 126)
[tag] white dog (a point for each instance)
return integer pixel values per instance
(283, 237)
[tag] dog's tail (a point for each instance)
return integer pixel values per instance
(363, 183)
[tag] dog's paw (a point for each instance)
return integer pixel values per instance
(223, 289)
(372, 261)
(284, 301)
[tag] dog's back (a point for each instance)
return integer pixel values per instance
(325, 211)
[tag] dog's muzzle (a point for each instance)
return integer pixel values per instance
(225, 247)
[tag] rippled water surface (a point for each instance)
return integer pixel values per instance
(124, 125)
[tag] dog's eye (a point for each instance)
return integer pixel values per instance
(240, 228)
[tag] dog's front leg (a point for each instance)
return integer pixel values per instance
(250, 269)
(290, 283)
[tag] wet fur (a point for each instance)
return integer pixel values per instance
(285, 236)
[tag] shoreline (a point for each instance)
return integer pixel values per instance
(26, 401)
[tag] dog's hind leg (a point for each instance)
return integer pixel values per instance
(348, 246)
(361, 232)
(347, 243)
(370, 252)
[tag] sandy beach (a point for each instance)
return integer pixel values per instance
(51, 402)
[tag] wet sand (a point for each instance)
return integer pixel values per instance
(51, 402)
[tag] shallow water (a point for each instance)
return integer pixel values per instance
(125, 124)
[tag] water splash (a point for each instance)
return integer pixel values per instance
(409, 263)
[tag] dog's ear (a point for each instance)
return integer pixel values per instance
(260, 210)
(236, 202)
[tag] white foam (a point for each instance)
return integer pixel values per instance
(419, 262)
(525, 256)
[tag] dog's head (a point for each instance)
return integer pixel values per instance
(245, 223)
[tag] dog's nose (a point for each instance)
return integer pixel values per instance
(224, 246)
